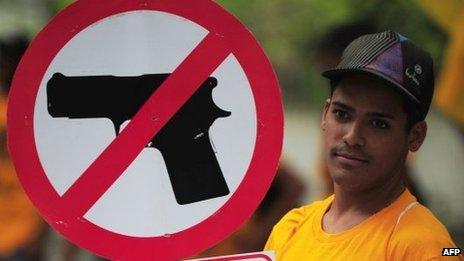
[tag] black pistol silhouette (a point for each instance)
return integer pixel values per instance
(184, 141)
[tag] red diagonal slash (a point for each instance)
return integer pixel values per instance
(154, 114)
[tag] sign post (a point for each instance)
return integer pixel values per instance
(145, 129)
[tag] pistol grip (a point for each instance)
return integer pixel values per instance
(193, 168)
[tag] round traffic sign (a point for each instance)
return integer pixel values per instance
(139, 127)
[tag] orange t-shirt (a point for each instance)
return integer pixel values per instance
(405, 230)
(19, 222)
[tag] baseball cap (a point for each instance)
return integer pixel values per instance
(393, 58)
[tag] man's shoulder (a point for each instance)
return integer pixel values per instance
(418, 233)
(298, 215)
(292, 222)
(418, 222)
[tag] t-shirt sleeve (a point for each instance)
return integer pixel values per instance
(285, 229)
(414, 240)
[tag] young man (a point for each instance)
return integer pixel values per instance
(381, 92)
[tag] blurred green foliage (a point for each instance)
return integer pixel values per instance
(57, 5)
(290, 31)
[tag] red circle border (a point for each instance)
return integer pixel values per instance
(245, 199)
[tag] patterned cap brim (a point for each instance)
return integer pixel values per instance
(337, 73)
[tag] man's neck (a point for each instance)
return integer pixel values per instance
(350, 208)
(366, 202)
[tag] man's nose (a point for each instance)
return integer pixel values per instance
(354, 135)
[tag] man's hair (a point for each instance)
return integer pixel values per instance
(412, 113)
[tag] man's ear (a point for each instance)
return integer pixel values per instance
(324, 113)
(417, 136)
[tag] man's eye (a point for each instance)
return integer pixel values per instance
(380, 124)
(341, 115)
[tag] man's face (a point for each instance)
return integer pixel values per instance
(366, 142)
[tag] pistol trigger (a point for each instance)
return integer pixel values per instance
(117, 126)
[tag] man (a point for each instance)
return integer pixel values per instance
(380, 94)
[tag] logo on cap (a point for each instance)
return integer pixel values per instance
(412, 75)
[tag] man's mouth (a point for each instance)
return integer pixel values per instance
(351, 157)
(350, 160)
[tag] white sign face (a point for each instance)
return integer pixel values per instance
(141, 202)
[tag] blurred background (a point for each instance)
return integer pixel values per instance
(301, 38)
